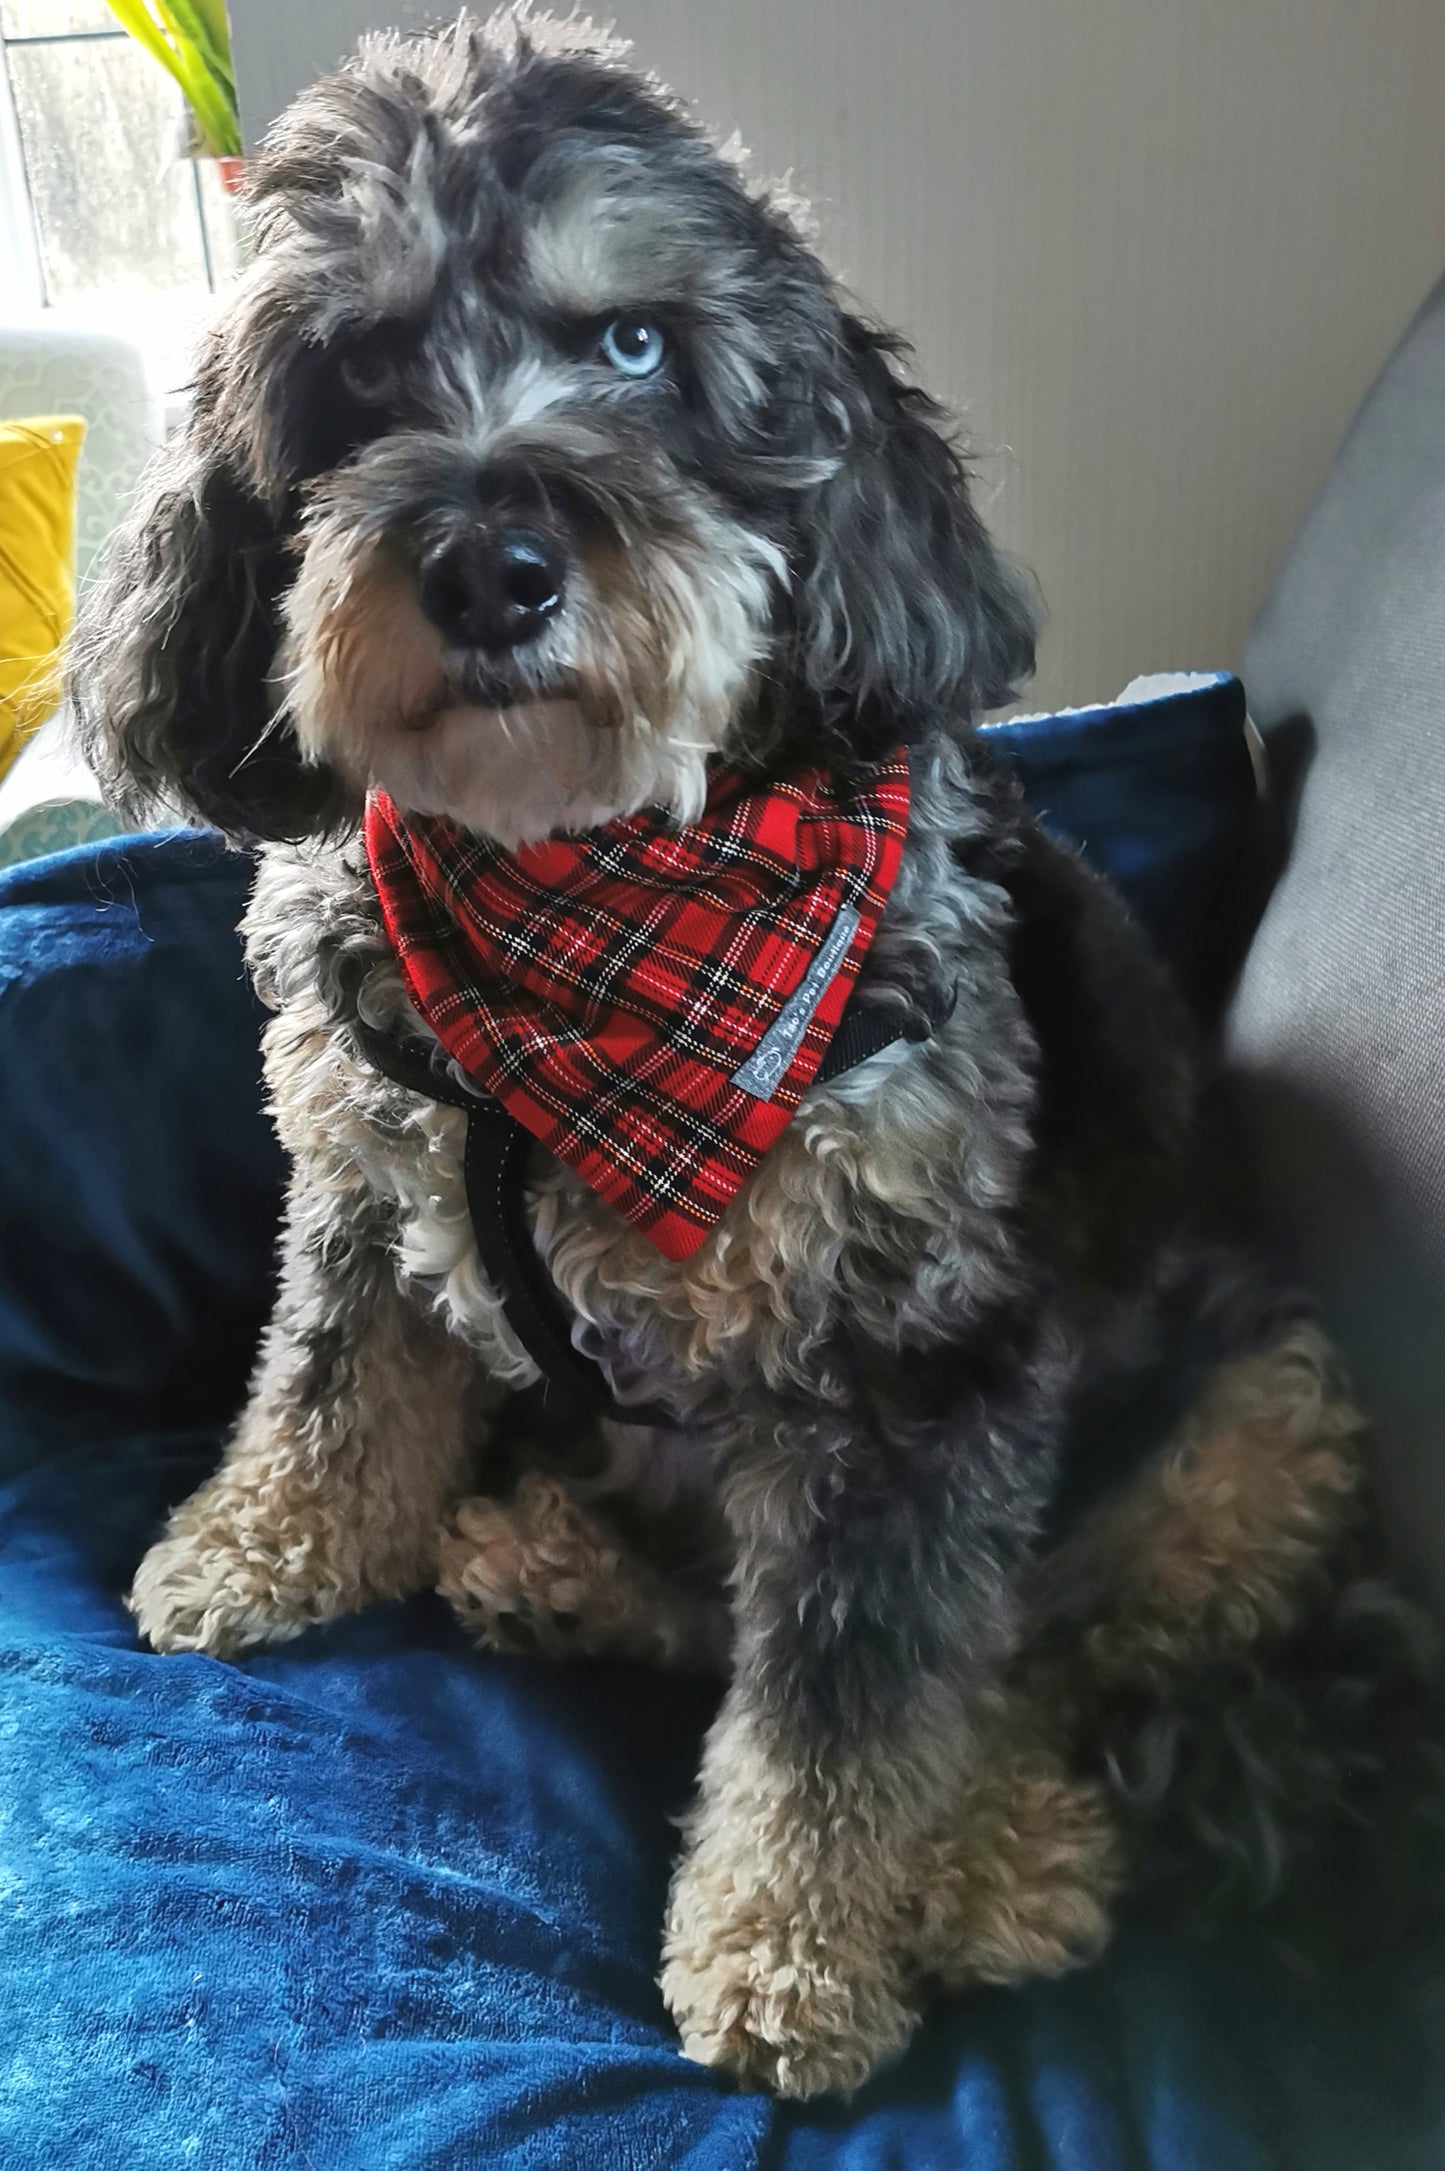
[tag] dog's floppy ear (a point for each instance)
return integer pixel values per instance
(902, 608)
(170, 667)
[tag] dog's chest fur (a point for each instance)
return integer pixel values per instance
(880, 1207)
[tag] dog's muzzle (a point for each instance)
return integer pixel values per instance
(493, 589)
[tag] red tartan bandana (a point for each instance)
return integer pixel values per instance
(650, 1001)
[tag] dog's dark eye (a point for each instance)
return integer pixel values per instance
(634, 346)
(369, 375)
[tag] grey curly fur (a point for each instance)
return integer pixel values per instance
(772, 553)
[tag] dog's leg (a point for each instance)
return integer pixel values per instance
(541, 1573)
(349, 1453)
(1213, 1548)
(1221, 1646)
(1221, 1539)
(877, 1553)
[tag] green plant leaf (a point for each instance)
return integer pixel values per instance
(205, 28)
(134, 17)
(211, 93)
(191, 41)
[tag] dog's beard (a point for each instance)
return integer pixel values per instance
(537, 766)
(620, 705)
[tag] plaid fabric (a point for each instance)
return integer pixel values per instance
(609, 989)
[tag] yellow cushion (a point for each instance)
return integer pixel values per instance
(37, 568)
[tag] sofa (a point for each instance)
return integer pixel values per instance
(1336, 1036)
(376, 1901)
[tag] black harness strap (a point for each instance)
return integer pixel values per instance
(863, 1030)
(574, 1387)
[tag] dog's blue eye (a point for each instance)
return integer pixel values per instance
(634, 346)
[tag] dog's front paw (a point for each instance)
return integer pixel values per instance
(536, 1575)
(1024, 1880)
(798, 2000)
(193, 1593)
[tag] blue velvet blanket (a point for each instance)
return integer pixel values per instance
(376, 1901)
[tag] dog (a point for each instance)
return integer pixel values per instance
(537, 477)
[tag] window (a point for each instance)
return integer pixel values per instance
(102, 216)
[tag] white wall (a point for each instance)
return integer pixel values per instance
(1152, 250)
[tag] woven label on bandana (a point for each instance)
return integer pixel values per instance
(651, 1001)
(766, 1068)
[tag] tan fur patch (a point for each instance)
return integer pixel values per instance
(1213, 1545)
(538, 1573)
(361, 661)
(1023, 1880)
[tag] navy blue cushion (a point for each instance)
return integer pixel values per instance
(376, 1901)
(1160, 795)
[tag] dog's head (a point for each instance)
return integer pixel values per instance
(532, 462)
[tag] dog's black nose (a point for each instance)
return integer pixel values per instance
(493, 591)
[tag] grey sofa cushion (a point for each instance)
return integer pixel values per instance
(1337, 1032)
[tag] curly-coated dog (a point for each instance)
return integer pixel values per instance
(588, 617)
